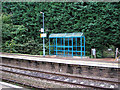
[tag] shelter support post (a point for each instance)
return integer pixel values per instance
(72, 47)
(61, 45)
(56, 46)
(76, 46)
(49, 46)
(64, 46)
(68, 46)
(81, 46)
(84, 46)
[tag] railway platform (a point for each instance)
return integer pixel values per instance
(105, 62)
(75, 66)
(4, 85)
(103, 69)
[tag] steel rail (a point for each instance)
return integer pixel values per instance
(56, 80)
(14, 81)
(59, 74)
(88, 86)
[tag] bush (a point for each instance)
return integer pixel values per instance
(15, 39)
(98, 21)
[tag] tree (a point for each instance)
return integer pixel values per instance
(97, 20)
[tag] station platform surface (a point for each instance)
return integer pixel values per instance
(104, 62)
(4, 86)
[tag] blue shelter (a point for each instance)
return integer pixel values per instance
(67, 44)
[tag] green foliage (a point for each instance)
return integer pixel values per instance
(98, 21)
(111, 53)
(6, 18)
(15, 38)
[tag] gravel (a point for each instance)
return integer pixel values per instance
(62, 78)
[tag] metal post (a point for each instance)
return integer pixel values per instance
(81, 47)
(43, 37)
(56, 46)
(61, 46)
(76, 46)
(64, 47)
(84, 46)
(68, 46)
(49, 46)
(72, 46)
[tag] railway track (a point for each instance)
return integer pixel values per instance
(25, 85)
(67, 79)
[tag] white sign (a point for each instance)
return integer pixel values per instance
(109, 49)
(116, 52)
(93, 51)
(43, 35)
(42, 30)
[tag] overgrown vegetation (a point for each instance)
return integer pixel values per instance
(22, 22)
(15, 38)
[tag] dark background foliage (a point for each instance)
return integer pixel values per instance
(98, 21)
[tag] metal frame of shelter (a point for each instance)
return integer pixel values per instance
(67, 44)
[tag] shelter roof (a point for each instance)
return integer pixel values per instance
(58, 35)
